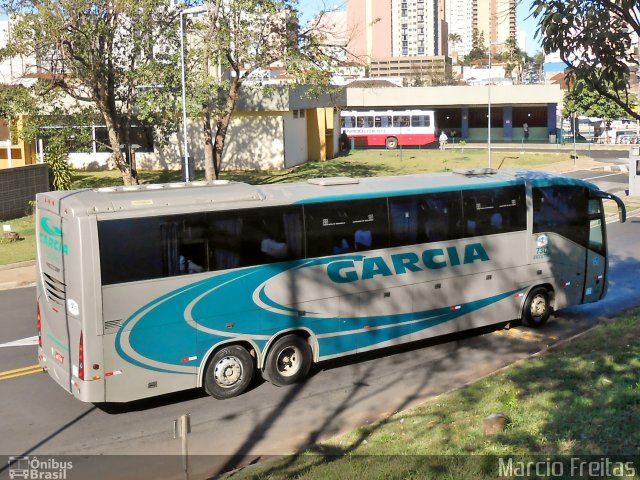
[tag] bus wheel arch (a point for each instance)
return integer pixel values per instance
(537, 306)
(229, 370)
(391, 143)
(289, 358)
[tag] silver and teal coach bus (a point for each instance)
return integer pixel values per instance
(157, 288)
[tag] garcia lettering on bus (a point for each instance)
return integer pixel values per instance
(48, 237)
(346, 271)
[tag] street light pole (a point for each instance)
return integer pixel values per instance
(185, 145)
(489, 108)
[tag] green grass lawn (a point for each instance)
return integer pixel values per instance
(360, 163)
(22, 250)
(580, 399)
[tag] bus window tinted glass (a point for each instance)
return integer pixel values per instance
(364, 122)
(425, 218)
(562, 209)
(185, 244)
(401, 121)
(253, 237)
(420, 121)
(144, 248)
(491, 211)
(348, 122)
(383, 121)
(346, 227)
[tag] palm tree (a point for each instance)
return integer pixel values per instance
(454, 39)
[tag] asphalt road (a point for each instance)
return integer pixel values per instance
(613, 182)
(39, 418)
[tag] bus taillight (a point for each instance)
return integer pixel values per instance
(39, 322)
(81, 358)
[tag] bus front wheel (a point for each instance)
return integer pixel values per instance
(229, 372)
(391, 143)
(537, 308)
(288, 360)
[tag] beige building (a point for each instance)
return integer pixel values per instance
(431, 69)
(281, 128)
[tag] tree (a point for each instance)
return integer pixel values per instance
(594, 39)
(454, 39)
(237, 38)
(581, 99)
(116, 55)
(478, 50)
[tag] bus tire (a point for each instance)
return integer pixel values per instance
(537, 307)
(288, 361)
(391, 143)
(229, 372)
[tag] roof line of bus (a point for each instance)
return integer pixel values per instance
(544, 181)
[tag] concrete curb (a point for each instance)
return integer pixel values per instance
(18, 275)
(611, 168)
(16, 285)
(11, 266)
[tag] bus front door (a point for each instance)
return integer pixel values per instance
(595, 280)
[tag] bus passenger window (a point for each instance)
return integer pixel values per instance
(404, 221)
(348, 122)
(344, 227)
(364, 122)
(419, 121)
(401, 121)
(562, 209)
(498, 210)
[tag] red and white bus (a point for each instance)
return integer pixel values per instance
(389, 128)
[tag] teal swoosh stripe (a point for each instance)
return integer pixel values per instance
(369, 338)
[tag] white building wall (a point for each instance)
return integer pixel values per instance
(295, 136)
(254, 143)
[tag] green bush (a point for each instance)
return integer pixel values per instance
(56, 157)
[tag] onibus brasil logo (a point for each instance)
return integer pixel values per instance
(50, 237)
(34, 468)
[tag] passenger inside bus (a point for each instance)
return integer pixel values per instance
(363, 239)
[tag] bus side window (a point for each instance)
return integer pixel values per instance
(419, 121)
(491, 211)
(401, 121)
(443, 212)
(345, 227)
(348, 122)
(192, 233)
(403, 214)
(364, 122)
(562, 209)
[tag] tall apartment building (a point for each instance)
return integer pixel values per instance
(496, 19)
(406, 28)
(415, 28)
(396, 28)
(459, 17)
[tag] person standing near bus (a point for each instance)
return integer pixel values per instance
(443, 139)
(344, 143)
(525, 130)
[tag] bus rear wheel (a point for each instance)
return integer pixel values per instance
(229, 372)
(537, 308)
(391, 143)
(288, 360)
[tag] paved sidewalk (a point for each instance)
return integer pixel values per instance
(17, 275)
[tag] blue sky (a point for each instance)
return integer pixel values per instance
(308, 8)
